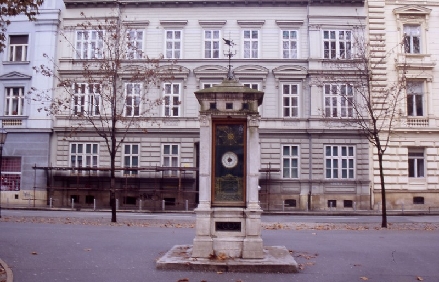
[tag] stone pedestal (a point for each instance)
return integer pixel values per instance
(228, 232)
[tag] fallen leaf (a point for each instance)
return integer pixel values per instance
(419, 278)
(364, 278)
(34, 253)
(88, 250)
(183, 280)
(219, 272)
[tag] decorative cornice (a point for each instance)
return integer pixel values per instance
(15, 76)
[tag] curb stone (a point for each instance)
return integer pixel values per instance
(8, 271)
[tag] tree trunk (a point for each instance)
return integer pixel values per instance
(113, 174)
(383, 191)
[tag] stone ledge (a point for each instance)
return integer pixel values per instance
(277, 259)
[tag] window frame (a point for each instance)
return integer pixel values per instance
(327, 52)
(133, 53)
(250, 40)
(131, 156)
(86, 51)
(338, 104)
(168, 106)
(173, 41)
(290, 97)
(212, 43)
(411, 40)
(133, 107)
(91, 159)
(335, 169)
(290, 157)
(167, 159)
(416, 158)
(291, 54)
(413, 99)
(11, 100)
(12, 49)
(86, 102)
(11, 173)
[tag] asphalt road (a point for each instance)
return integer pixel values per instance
(74, 252)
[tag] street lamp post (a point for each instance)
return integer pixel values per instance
(3, 135)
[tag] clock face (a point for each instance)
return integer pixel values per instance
(229, 160)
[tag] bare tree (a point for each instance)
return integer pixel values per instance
(12, 8)
(370, 98)
(108, 90)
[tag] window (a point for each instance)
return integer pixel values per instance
(86, 99)
(14, 103)
(172, 99)
(348, 203)
(416, 163)
(134, 44)
(289, 44)
(129, 200)
(11, 174)
(173, 44)
(412, 39)
(290, 161)
(418, 200)
(212, 44)
(130, 158)
(290, 100)
(170, 158)
(337, 44)
(290, 203)
(84, 155)
(332, 203)
(252, 85)
(209, 85)
(251, 44)
(340, 162)
(18, 45)
(415, 98)
(338, 100)
(132, 103)
(89, 199)
(89, 44)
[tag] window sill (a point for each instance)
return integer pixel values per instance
(408, 60)
(417, 180)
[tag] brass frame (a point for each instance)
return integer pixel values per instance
(215, 123)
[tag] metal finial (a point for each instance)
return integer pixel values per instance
(229, 54)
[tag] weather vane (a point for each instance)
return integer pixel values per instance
(229, 55)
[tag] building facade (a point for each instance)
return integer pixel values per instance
(406, 32)
(311, 157)
(29, 130)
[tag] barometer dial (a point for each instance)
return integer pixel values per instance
(229, 159)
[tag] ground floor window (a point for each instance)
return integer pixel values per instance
(340, 162)
(11, 174)
(416, 163)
